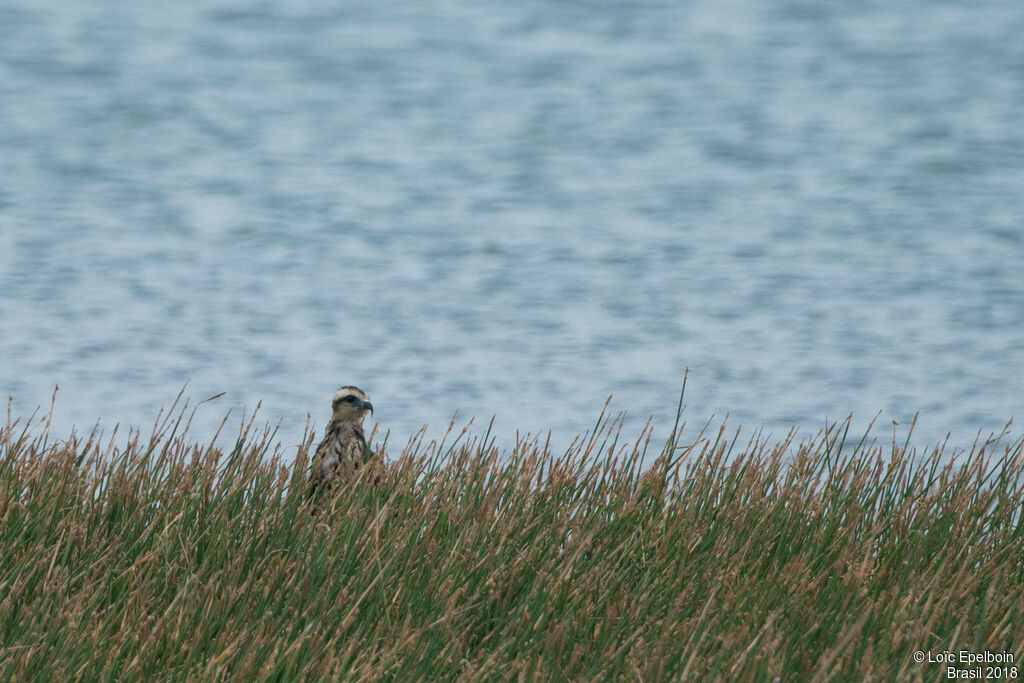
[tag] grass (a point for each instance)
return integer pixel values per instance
(711, 558)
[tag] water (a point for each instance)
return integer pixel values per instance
(515, 209)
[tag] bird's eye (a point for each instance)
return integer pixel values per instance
(350, 399)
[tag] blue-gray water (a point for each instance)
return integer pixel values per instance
(515, 209)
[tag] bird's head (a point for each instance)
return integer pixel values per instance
(350, 404)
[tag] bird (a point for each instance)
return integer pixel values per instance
(343, 449)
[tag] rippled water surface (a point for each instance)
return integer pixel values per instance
(515, 209)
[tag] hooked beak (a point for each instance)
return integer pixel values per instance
(369, 406)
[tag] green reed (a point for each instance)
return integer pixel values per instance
(711, 557)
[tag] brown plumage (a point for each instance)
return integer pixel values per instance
(343, 449)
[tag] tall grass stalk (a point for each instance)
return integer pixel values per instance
(719, 558)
